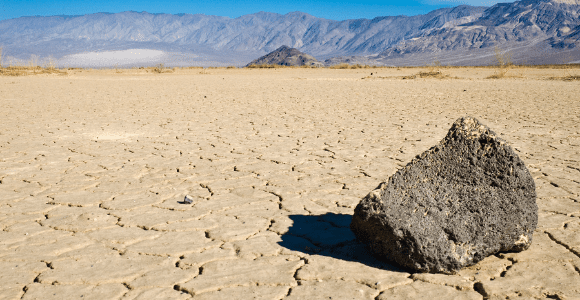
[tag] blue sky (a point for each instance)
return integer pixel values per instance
(330, 9)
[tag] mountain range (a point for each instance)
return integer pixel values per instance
(533, 31)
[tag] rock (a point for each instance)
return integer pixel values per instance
(187, 200)
(464, 199)
(286, 56)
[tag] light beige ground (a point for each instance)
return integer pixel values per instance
(93, 164)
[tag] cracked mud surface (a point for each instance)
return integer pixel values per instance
(94, 167)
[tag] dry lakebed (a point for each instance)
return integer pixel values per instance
(95, 165)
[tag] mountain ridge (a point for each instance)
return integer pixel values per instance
(547, 25)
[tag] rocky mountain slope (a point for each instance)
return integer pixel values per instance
(527, 31)
(533, 29)
(286, 56)
(505, 22)
(212, 37)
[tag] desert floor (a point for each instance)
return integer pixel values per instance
(94, 165)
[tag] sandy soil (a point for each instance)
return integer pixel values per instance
(93, 166)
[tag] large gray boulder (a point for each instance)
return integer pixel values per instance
(466, 198)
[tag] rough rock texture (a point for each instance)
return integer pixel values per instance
(286, 56)
(464, 199)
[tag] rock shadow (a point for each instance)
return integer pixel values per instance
(330, 235)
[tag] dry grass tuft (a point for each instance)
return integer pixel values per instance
(266, 66)
(571, 77)
(433, 71)
(30, 70)
(432, 74)
(428, 74)
(13, 71)
(50, 68)
(503, 63)
(25, 70)
(339, 66)
(347, 66)
(566, 78)
(160, 68)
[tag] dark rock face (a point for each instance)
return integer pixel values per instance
(464, 199)
(286, 56)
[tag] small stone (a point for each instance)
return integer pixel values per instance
(466, 198)
(188, 199)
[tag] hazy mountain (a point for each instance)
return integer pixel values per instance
(533, 29)
(286, 56)
(210, 37)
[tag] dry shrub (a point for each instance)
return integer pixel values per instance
(31, 67)
(433, 71)
(432, 74)
(265, 66)
(13, 71)
(347, 66)
(160, 68)
(309, 66)
(566, 78)
(571, 77)
(275, 66)
(564, 66)
(503, 61)
(50, 68)
(339, 66)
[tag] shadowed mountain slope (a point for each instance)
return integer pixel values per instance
(286, 56)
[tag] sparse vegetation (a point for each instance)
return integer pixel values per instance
(433, 71)
(501, 69)
(347, 66)
(160, 68)
(503, 61)
(51, 68)
(31, 67)
(265, 66)
(566, 78)
(27, 70)
(338, 66)
(434, 68)
(571, 77)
